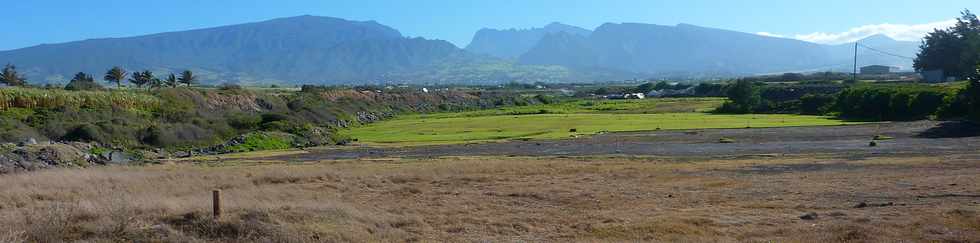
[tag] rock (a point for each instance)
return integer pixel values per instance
(120, 157)
(809, 216)
(861, 205)
(182, 154)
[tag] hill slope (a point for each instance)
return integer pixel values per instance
(297, 49)
(512, 43)
(689, 49)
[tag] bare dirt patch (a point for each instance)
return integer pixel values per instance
(577, 199)
(907, 138)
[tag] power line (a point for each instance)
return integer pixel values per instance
(884, 52)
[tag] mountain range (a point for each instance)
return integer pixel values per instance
(693, 50)
(325, 50)
(512, 43)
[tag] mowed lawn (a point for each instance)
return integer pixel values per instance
(493, 125)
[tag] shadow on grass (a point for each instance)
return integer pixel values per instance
(952, 129)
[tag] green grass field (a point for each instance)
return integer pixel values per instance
(568, 119)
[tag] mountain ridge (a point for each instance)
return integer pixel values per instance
(327, 50)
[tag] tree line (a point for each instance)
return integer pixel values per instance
(116, 75)
(954, 50)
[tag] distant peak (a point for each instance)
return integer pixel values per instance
(878, 37)
(556, 24)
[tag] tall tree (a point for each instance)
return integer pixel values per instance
(955, 50)
(171, 81)
(83, 77)
(10, 76)
(141, 78)
(972, 94)
(82, 81)
(744, 95)
(187, 78)
(116, 75)
(155, 83)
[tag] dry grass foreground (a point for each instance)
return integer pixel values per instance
(748, 199)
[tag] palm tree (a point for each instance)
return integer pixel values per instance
(171, 81)
(187, 77)
(141, 78)
(10, 76)
(116, 75)
(155, 83)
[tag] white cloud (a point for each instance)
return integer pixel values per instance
(770, 34)
(902, 32)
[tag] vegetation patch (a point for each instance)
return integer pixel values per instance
(882, 138)
(464, 127)
(263, 141)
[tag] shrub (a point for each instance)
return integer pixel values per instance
(903, 102)
(230, 87)
(546, 99)
(816, 104)
(263, 141)
(178, 135)
(83, 85)
(244, 121)
(743, 98)
(13, 131)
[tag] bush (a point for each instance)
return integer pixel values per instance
(263, 141)
(743, 98)
(244, 121)
(230, 87)
(904, 102)
(83, 85)
(14, 131)
(546, 99)
(179, 135)
(816, 104)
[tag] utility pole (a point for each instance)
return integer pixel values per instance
(855, 74)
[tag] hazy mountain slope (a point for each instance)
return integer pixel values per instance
(562, 49)
(325, 50)
(688, 50)
(646, 48)
(513, 43)
(844, 53)
(304, 48)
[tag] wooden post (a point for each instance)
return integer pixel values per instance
(216, 203)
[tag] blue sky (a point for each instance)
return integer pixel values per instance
(32, 22)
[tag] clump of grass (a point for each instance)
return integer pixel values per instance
(49, 99)
(882, 138)
(262, 141)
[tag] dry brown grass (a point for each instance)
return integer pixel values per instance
(752, 199)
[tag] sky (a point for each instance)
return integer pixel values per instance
(33, 22)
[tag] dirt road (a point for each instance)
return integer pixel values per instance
(920, 138)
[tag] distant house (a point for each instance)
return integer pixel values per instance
(934, 76)
(615, 97)
(877, 69)
(654, 93)
(628, 96)
(671, 93)
(635, 96)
